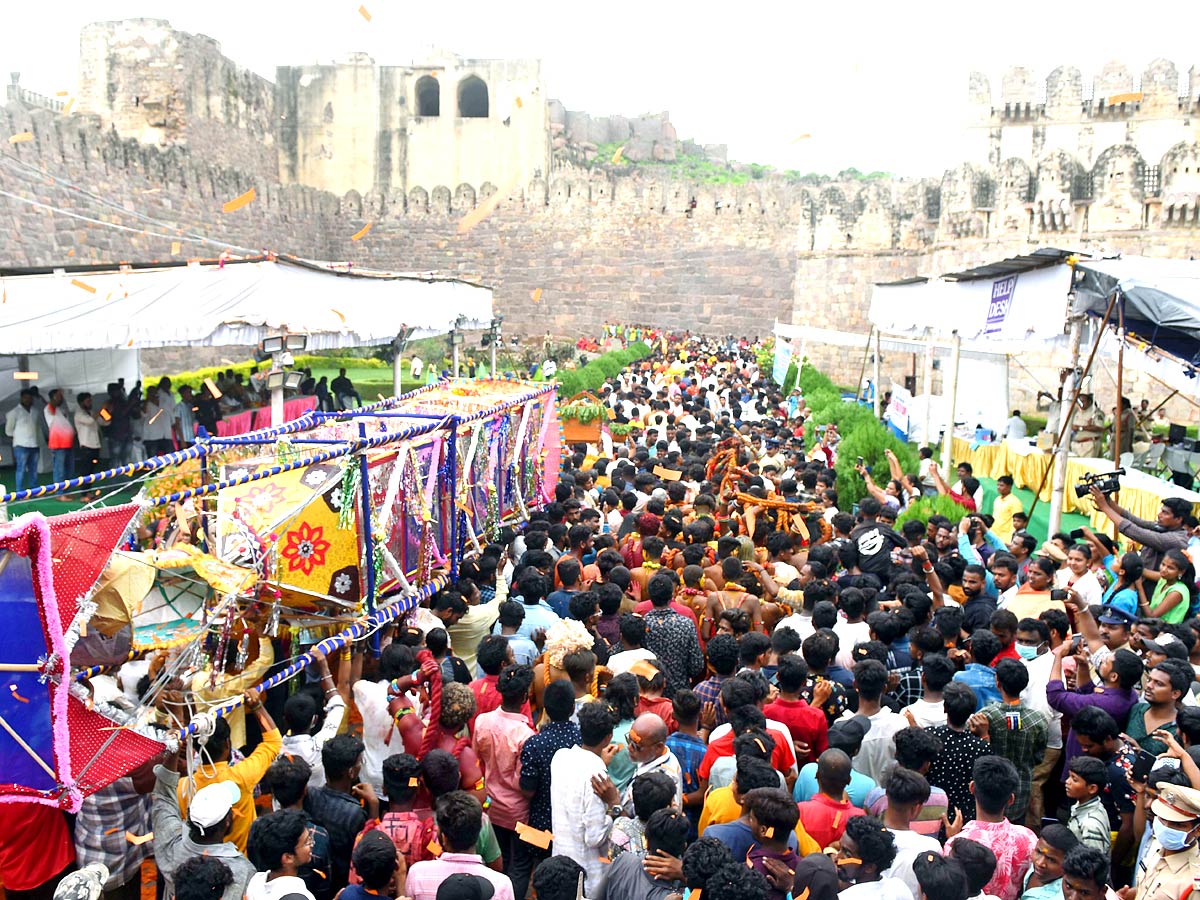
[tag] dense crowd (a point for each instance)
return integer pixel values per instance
(694, 671)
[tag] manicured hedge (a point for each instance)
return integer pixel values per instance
(861, 435)
(599, 370)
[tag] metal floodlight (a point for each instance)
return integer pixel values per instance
(292, 380)
(296, 342)
(286, 359)
(273, 344)
(276, 379)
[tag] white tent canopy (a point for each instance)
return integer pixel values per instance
(1001, 312)
(238, 303)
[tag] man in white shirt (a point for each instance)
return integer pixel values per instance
(87, 430)
(585, 801)
(878, 750)
(300, 741)
(1014, 428)
(22, 426)
(907, 792)
(415, 367)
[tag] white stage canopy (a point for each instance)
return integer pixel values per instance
(238, 303)
(1003, 305)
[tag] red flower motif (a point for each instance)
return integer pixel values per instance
(306, 548)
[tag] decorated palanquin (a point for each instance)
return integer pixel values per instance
(320, 530)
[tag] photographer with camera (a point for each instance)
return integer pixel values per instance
(1156, 538)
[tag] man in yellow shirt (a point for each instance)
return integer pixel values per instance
(724, 804)
(214, 766)
(1004, 507)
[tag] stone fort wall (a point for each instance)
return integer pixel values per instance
(597, 244)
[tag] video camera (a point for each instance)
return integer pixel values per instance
(1105, 482)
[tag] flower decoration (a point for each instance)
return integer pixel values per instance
(305, 548)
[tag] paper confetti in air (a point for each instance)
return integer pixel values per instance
(1115, 99)
(362, 11)
(83, 285)
(238, 202)
(71, 252)
(339, 314)
(434, 848)
(16, 696)
(769, 832)
(154, 418)
(616, 158)
(413, 782)
(130, 344)
(62, 93)
(535, 836)
(176, 246)
(644, 669)
(537, 295)
(362, 232)
(21, 138)
(212, 388)
(803, 137)
(139, 838)
(519, 103)
(486, 208)
(67, 109)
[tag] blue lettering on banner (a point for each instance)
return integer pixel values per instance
(1001, 302)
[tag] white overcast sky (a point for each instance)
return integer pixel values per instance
(878, 85)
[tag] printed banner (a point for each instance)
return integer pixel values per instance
(1001, 302)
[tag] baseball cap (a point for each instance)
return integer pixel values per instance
(461, 886)
(1175, 803)
(1111, 615)
(1168, 645)
(85, 884)
(849, 732)
(212, 803)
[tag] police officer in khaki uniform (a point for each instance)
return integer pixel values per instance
(1176, 830)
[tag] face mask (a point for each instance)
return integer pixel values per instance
(1171, 838)
(1026, 652)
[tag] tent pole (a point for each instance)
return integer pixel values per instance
(1007, 387)
(397, 373)
(1074, 399)
(952, 393)
(876, 374)
(1119, 421)
(927, 386)
(1070, 389)
(862, 371)
(277, 406)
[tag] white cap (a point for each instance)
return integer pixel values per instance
(213, 803)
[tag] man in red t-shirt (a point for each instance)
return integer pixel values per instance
(495, 652)
(809, 728)
(826, 814)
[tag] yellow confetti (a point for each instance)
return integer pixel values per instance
(21, 138)
(769, 832)
(136, 839)
(176, 246)
(362, 232)
(67, 109)
(413, 782)
(616, 157)
(64, 94)
(519, 103)
(536, 296)
(83, 285)
(535, 836)
(1116, 99)
(339, 314)
(803, 137)
(130, 343)
(486, 208)
(362, 11)
(212, 388)
(238, 202)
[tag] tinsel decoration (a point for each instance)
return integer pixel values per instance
(222, 646)
(243, 652)
(351, 481)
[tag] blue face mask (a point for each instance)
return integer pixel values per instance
(1171, 839)
(1026, 652)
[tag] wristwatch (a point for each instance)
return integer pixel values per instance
(616, 810)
